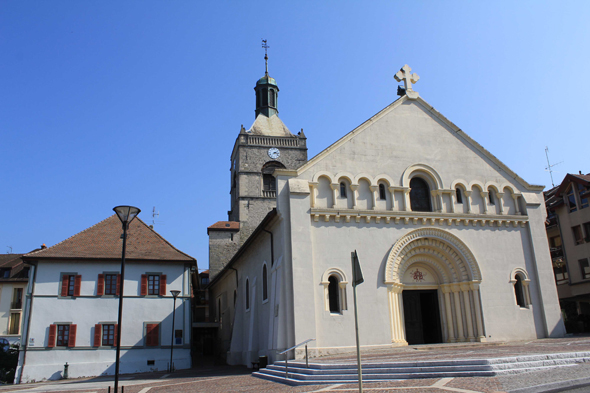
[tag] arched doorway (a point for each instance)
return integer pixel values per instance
(433, 281)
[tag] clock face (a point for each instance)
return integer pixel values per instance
(274, 153)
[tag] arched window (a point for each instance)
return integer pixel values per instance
(382, 191)
(420, 195)
(459, 195)
(269, 183)
(333, 294)
(272, 98)
(491, 197)
(247, 295)
(264, 284)
(518, 291)
(342, 190)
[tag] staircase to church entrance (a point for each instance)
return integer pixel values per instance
(332, 373)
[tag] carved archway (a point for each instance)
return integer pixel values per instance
(455, 275)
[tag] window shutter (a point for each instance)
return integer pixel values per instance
(100, 285)
(77, 285)
(51, 339)
(143, 285)
(163, 285)
(115, 335)
(152, 330)
(97, 334)
(64, 285)
(118, 290)
(72, 338)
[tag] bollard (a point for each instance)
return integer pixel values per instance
(66, 370)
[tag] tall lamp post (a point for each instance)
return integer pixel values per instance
(126, 214)
(174, 295)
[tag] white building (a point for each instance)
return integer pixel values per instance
(73, 297)
(14, 276)
(451, 242)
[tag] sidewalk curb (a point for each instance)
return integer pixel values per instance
(554, 386)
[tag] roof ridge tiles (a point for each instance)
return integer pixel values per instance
(103, 241)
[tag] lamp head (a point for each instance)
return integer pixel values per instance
(126, 214)
(175, 294)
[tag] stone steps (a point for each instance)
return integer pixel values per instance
(331, 373)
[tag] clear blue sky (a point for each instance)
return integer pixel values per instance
(139, 102)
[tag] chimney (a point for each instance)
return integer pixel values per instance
(43, 246)
(580, 172)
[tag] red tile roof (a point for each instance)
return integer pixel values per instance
(103, 241)
(224, 226)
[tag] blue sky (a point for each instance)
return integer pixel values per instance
(139, 102)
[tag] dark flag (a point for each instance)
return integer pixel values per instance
(357, 274)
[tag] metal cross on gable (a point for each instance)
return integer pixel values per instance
(406, 75)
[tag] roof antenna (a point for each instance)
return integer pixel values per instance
(549, 166)
(154, 215)
(265, 46)
(10, 252)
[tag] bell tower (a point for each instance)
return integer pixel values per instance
(267, 91)
(258, 151)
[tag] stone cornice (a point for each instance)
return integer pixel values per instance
(418, 218)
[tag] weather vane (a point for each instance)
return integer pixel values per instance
(265, 46)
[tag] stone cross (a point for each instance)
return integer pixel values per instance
(405, 74)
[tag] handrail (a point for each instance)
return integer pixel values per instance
(298, 345)
(292, 348)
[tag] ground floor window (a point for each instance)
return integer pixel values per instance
(14, 327)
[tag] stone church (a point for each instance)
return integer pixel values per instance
(451, 242)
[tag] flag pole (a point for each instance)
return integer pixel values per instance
(355, 266)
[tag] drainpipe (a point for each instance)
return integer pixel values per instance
(272, 250)
(237, 284)
(30, 312)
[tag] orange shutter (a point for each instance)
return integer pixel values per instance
(51, 339)
(118, 290)
(72, 338)
(163, 285)
(152, 330)
(97, 334)
(100, 285)
(115, 335)
(143, 285)
(64, 285)
(77, 285)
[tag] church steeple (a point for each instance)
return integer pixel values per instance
(267, 91)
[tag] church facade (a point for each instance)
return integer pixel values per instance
(451, 243)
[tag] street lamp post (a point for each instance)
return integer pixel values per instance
(126, 214)
(174, 295)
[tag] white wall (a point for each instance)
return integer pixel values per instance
(87, 310)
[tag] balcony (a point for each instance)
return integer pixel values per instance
(17, 305)
(269, 193)
(556, 254)
(551, 222)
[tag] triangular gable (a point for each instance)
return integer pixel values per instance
(580, 179)
(103, 241)
(429, 108)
